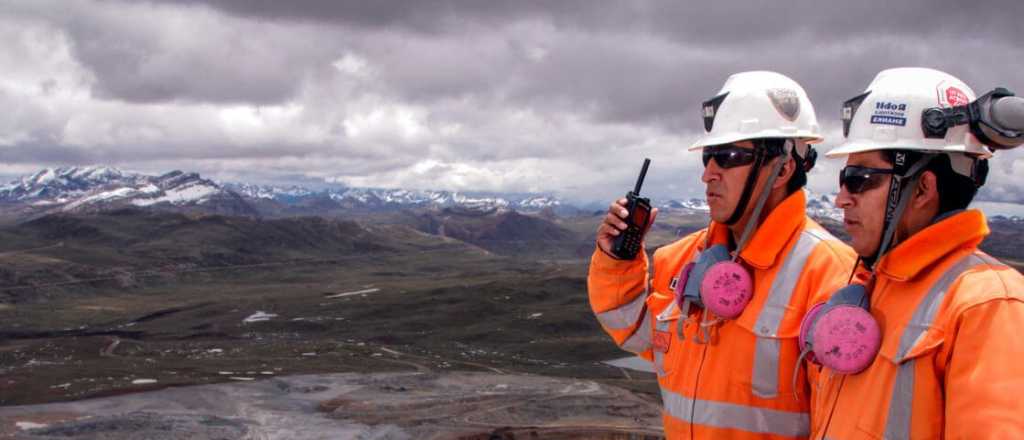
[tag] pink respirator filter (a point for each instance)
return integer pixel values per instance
(726, 289)
(846, 338)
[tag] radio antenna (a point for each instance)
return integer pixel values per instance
(643, 174)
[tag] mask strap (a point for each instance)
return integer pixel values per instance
(804, 351)
(787, 147)
(853, 272)
(706, 327)
(684, 314)
(748, 187)
(899, 192)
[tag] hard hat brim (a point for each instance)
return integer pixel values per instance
(704, 141)
(849, 148)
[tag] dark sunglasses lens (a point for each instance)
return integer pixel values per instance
(728, 157)
(858, 181)
(854, 184)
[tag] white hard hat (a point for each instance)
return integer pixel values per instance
(888, 114)
(755, 105)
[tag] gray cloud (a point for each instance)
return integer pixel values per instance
(454, 93)
(148, 54)
(714, 23)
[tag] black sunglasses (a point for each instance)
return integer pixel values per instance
(728, 155)
(859, 179)
(732, 155)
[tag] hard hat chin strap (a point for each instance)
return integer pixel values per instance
(748, 229)
(901, 186)
(748, 187)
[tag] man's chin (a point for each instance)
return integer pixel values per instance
(865, 251)
(717, 216)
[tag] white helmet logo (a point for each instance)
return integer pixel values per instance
(786, 102)
(950, 95)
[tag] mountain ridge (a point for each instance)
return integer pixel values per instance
(99, 188)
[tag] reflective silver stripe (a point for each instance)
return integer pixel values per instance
(665, 314)
(659, 360)
(765, 380)
(662, 324)
(821, 234)
(926, 310)
(624, 316)
(897, 424)
(640, 340)
(733, 416)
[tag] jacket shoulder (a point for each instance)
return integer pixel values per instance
(829, 248)
(989, 279)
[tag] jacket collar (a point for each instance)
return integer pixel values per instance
(966, 229)
(772, 235)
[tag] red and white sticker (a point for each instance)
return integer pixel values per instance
(956, 97)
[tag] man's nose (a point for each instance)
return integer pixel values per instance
(844, 199)
(711, 172)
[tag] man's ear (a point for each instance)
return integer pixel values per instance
(927, 191)
(786, 173)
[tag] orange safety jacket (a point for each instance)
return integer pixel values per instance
(951, 363)
(739, 385)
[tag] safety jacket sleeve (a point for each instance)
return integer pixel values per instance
(618, 292)
(985, 376)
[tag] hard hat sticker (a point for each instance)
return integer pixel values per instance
(956, 97)
(850, 108)
(786, 102)
(889, 113)
(951, 95)
(710, 108)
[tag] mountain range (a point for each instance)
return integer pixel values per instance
(100, 188)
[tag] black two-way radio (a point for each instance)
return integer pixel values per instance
(627, 244)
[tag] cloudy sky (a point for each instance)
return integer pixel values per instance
(564, 96)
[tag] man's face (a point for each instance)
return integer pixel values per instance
(864, 211)
(725, 185)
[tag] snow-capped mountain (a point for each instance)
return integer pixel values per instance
(378, 197)
(823, 206)
(62, 185)
(403, 198)
(88, 189)
(276, 193)
(818, 205)
(539, 202)
(694, 205)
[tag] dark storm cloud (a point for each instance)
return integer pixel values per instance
(163, 55)
(720, 22)
(382, 86)
(47, 152)
(622, 62)
(619, 78)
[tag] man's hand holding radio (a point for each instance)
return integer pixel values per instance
(614, 223)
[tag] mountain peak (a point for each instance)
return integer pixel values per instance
(67, 174)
